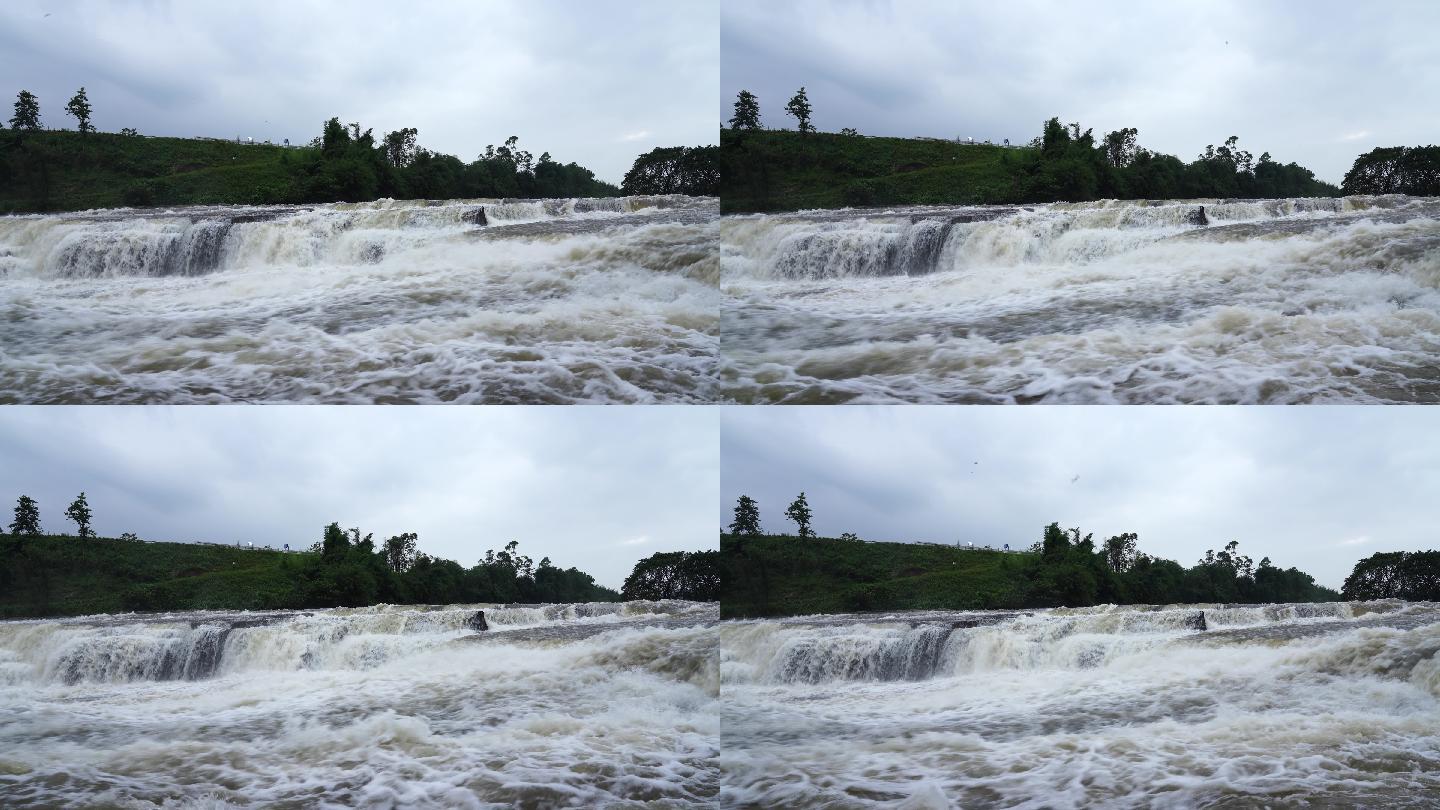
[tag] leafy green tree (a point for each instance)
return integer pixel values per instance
(747, 111)
(129, 132)
(79, 108)
(799, 511)
(799, 108)
(849, 132)
(693, 575)
(1410, 575)
(1120, 147)
(747, 517)
(334, 543)
(27, 517)
(79, 511)
(400, 551)
(400, 146)
(27, 112)
(1396, 170)
(675, 170)
(1120, 552)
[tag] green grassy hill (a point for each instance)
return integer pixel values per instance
(777, 170)
(790, 576)
(66, 576)
(67, 171)
(773, 170)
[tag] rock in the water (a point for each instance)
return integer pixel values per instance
(1197, 217)
(477, 622)
(1196, 622)
(476, 217)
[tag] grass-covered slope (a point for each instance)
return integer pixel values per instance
(67, 576)
(773, 170)
(790, 576)
(67, 171)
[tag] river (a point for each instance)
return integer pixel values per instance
(463, 301)
(1201, 301)
(1305, 705)
(603, 704)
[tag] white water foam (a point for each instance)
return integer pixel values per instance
(1334, 705)
(1131, 302)
(554, 705)
(548, 301)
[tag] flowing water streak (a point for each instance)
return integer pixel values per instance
(1304, 300)
(610, 704)
(496, 301)
(1316, 705)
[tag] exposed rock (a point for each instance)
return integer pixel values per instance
(1196, 622)
(477, 622)
(475, 217)
(1197, 217)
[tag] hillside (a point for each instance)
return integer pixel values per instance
(65, 171)
(52, 575)
(63, 576)
(778, 170)
(53, 170)
(774, 170)
(766, 575)
(790, 576)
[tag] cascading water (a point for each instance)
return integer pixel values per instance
(1323, 705)
(584, 705)
(1305, 300)
(496, 301)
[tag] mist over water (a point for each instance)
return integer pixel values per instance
(1260, 301)
(597, 704)
(1324, 705)
(531, 301)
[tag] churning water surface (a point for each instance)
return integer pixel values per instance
(584, 705)
(1258, 301)
(1306, 705)
(468, 301)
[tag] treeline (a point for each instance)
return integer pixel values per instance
(776, 170)
(1074, 571)
(1409, 575)
(346, 164)
(1066, 164)
(692, 170)
(44, 169)
(1413, 170)
(49, 574)
(346, 569)
(692, 575)
(766, 574)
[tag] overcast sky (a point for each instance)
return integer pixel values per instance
(1317, 487)
(590, 487)
(1316, 82)
(594, 82)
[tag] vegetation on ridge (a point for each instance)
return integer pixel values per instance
(780, 575)
(55, 170)
(777, 170)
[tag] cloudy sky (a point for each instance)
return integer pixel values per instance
(592, 82)
(1316, 82)
(596, 488)
(1317, 487)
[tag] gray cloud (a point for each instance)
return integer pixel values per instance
(1317, 84)
(574, 79)
(596, 488)
(1316, 488)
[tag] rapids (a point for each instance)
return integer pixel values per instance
(1313, 705)
(554, 705)
(466, 301)
(1251, 301)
